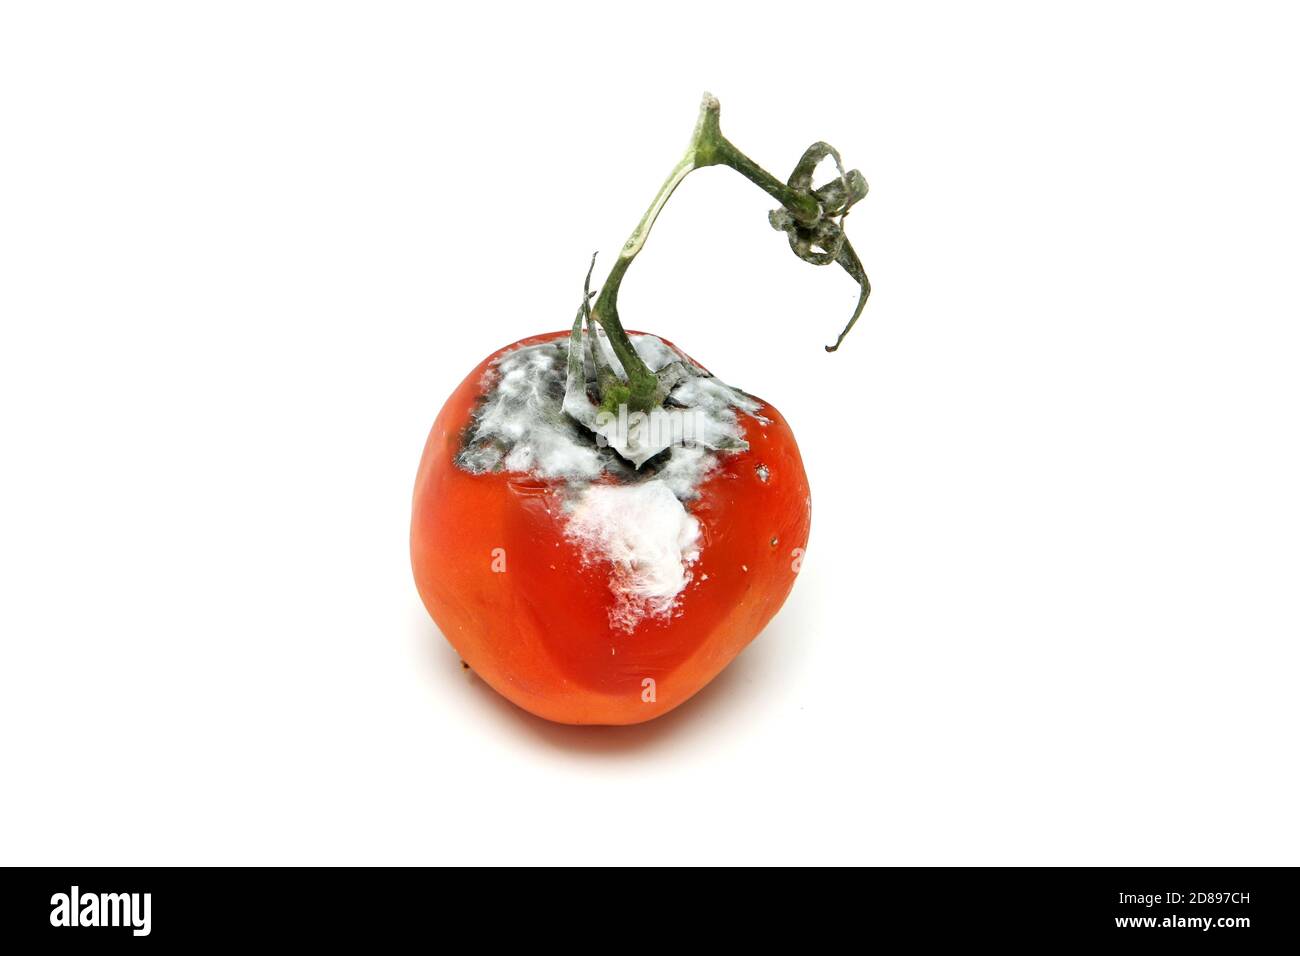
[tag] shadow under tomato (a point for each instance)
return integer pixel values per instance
(737, 688)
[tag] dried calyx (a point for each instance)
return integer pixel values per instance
(531, 420)
(812, 218)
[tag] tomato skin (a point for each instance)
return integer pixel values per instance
(538, 631)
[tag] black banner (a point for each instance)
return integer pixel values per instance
(1224, 908)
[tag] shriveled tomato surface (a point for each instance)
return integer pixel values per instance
(530, 608)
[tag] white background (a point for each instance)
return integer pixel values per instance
(1049, 613)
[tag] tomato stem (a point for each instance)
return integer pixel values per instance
(813, 219)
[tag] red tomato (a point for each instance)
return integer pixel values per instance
(530, 613)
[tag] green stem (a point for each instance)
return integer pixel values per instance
(708, 147)
(711, 148)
